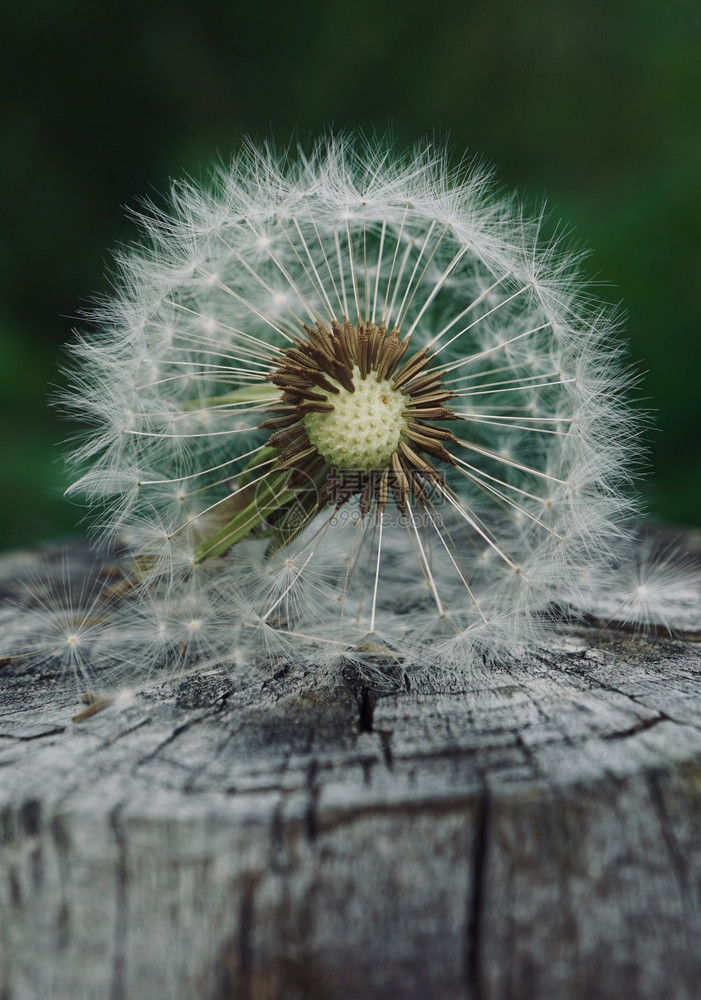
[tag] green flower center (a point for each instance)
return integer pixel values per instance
(364, 428)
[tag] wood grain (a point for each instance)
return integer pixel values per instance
(534, 834)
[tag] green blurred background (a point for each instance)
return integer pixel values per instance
(597, 105)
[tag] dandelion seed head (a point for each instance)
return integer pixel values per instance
(349, 394)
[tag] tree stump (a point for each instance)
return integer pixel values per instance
(533, 835)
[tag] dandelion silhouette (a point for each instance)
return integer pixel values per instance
(349, 406)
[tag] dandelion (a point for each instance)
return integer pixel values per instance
(60, 620)
(652, 585)
(349, 406)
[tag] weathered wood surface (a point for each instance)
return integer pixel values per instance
(533, 836)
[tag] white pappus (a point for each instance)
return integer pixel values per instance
(347, 406)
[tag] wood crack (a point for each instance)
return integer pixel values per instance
(245, 941)
(311, 819)
(366, 710)
(178, 731)
(55, 731)
(386, 747)
(676, 856)
(476, 900)
(61, 846)
(117, 990)
(639, 727)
